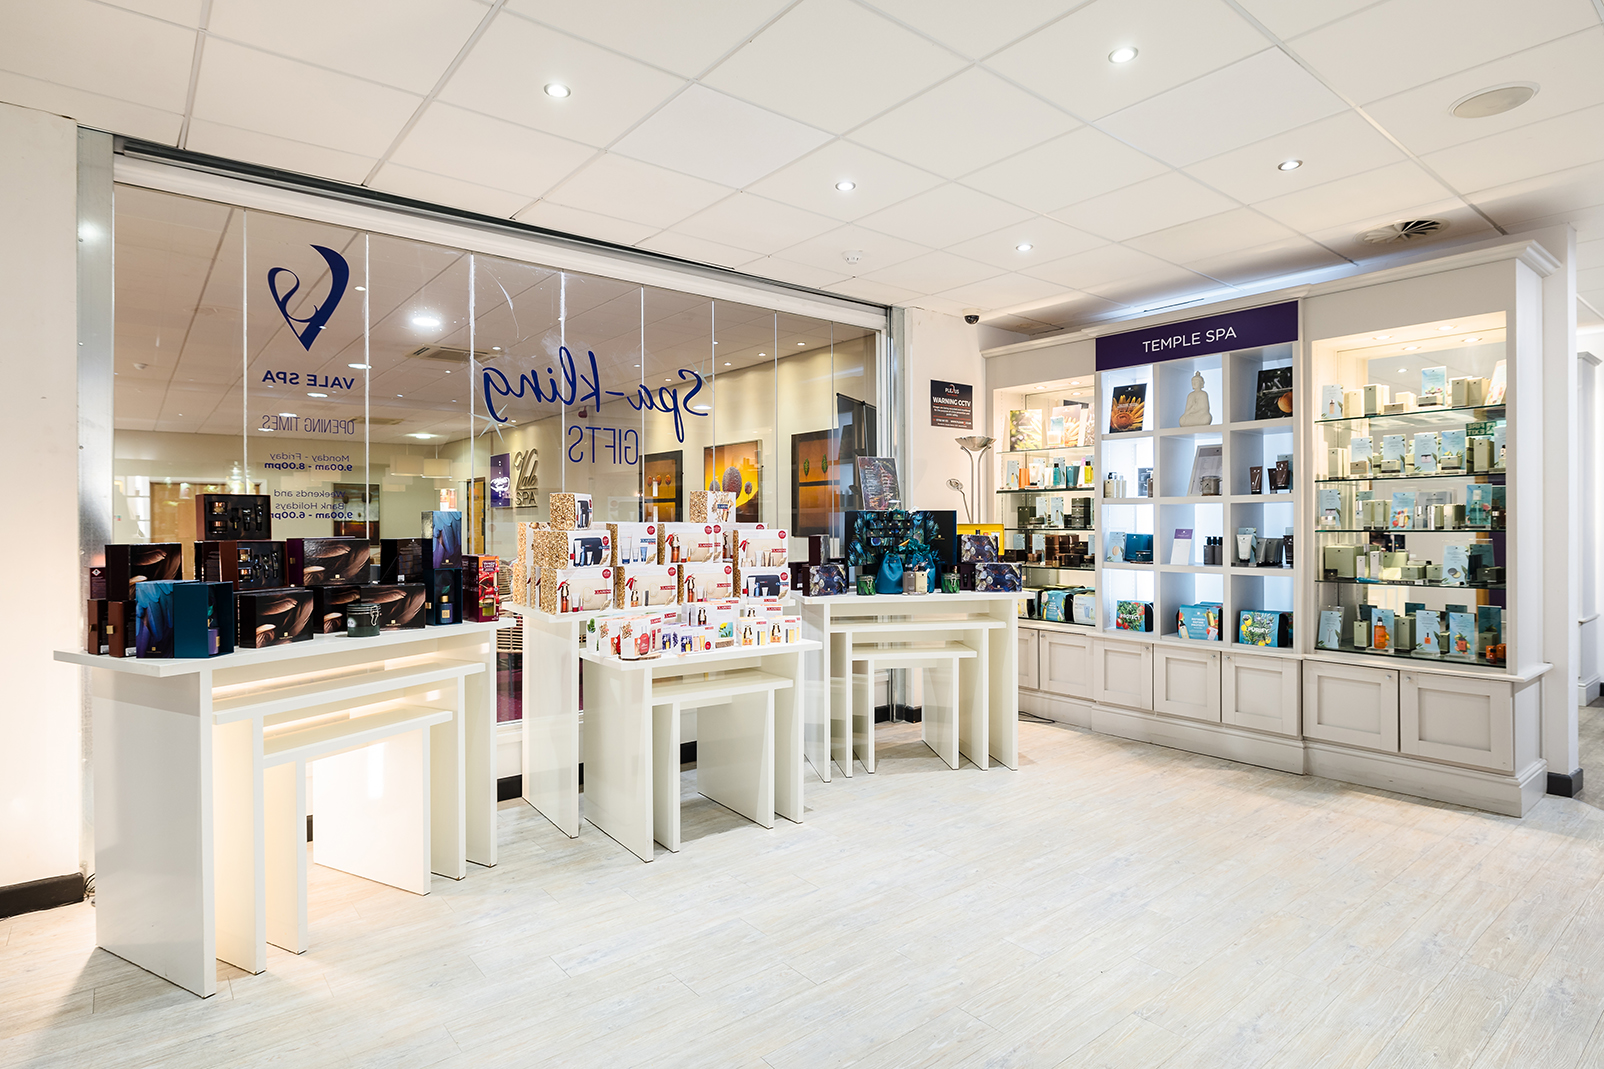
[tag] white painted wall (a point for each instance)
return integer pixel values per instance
(39, 772)
(945, 348)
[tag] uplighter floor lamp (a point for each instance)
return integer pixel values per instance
(975, 445)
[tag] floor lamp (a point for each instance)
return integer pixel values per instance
(975, 445)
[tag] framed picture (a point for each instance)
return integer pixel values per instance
(736, 469)
(878, 483)
(815, 481)
(1273, 399)
(662, 490)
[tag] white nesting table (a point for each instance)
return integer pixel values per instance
(749, 738)
(184, 749)
(987, 621)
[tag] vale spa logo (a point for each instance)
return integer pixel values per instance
(306, 330)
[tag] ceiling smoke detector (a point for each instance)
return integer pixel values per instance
(1484, 103)
(852, 256)
(1405, 231)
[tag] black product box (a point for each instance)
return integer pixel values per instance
(443, 532)
(153, 617)
(273, 617)
(231, 517)
(819, 580)
(247, 564)
(97, 582)
(329, 604)
(133, 563)
(403, 560)
(400, 604)
(818, 550)
(443, 599)
(107, 630)
(203, 619)
(966, 575)
(317, 561)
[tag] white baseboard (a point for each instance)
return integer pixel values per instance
(509, 749)
(1589, 689)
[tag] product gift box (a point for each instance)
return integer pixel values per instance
(706, 581)
(589, 549)
(577, 590)
(401, 605)
(481, 595)
(232, 517)
(977, 548)
(1257, 627)
(634, 543)
(315, 561)
(442, 596)
(1133, 616)
(819, 580)
(403, 560)
(762, 549)
(127, 564)
(108, 628)
(997, 576)
(766, 582)
(569, 512)
(1055, 605)
(640, 586)
(710, 506)
(329, 604)
(443, 532)
(1200, 622)
(1084, 608)
(153, 617)
(688, 543)
(246, 564)
(273, 617)
(203, 619)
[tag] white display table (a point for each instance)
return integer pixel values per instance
(749, 738)
(191, 781)
(988, 715)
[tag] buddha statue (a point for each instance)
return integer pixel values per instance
(1196, 413)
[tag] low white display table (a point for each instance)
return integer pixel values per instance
(988, 714)
(195, 758)
(749, 738)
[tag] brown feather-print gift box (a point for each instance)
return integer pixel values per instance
(273, 617)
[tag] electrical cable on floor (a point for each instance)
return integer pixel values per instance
(1032, 718)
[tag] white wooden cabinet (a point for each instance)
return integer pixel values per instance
(1122, 673)
(1066, 663)
(1351, 704)
(1452, 718)
(1261, 692)
(1186, 682)
(1028, 674)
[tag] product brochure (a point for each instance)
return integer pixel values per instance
(1425, 452)
(1330, 635)
(1207, 460)
(1403, 510)
(1392, 453)
(1331, 402)
(1359, 451)
(1451, 450)
(1433, 387)
(1499, 384)
(1274, 398)
(1428, 622)
(1114, 543)
(1462, 634)
(1455, 565)
(1331, 504)
(1024, 429)
(1011, 479)
(1181, 546)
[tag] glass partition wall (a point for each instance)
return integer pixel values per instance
(361, 379)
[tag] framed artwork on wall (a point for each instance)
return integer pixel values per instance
(737, 469)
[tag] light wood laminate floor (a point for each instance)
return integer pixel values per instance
(1109, 904)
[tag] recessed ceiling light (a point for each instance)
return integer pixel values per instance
(558, 90)
(287, 415)
(419, 434)
(427, 322)
(361, 289)
(1041, 387)
(1075, 382)
(1289, 165)
(1402, 370)
(726, 363)
(495, 348)
(1484, 103)
(1122, 55)
(265, 430)
(1383, 337)
(359, 367)
(1473, 338)
(846, 185)
(637, 365)
(763, 354)
(1023, 246)
(317, 395)
(800, 344)
(398, 395)
(1448, 326)
(1410, 348)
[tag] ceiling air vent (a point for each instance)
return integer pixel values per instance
(380, 421)
(441, 353)
(1408, 231)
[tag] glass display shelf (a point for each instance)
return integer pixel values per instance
(1051, 530)
(1433, 415)
(1049, 490)
(1413, 655)
(1410, 582)
(1051, 567)
(1409, 530)
(1045, 449)
(1456, 476)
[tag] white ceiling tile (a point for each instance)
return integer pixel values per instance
(810, 182)
(880, 292)
(422, 185)
(945, 216)
(684, 37)
(485, 151)
(933, 272)
(1004, 291)
(404, 43)
(1252, 99)
(506, 74)
(568, 220)
(964, 124)
(184, 12)
(1332, 148)
(1532, 151)
(104, 50)
(1079, 165)
(1240, 228)
(1590, 253)
(1285, 257)
(639, 192)
(1155, 287)
(874, 250)
(306, 103)
(1048, 240)
(1288, 18)
(1533, 205)
(748, 221)
(269, 151)
(1156, 204)
(1380, 192)
(1176, 40)
(716, 137)
(687, 247)
(91, 109)
(1589, 280)
(1567, 71)
(797, 273)
(1110, 263)
(833, 64)
(973, 29)
(1359, 55)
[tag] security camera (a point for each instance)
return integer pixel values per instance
(972, 318)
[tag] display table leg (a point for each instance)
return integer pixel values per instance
(618, 756)
(372, 807)
(551, 668)
(284, 805)
(735, 755)
(842, 698)
(1002, 687)
(788, 734)
(665, 775)
(939, 725)
(862, 709)
(815, 685)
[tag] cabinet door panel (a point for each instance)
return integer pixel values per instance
(1027, 659)
(1123, 673)
(1261, 693)
(1351, 704)
(1186, 682)
(1450, 718)
(1066, 664)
